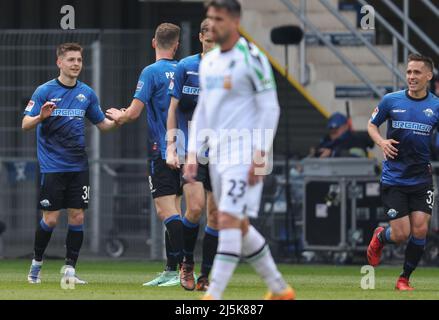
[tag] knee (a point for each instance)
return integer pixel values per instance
(194, 211)
(76, 219)
(212, 219)
(226, 221)
(420, 232)
(162, 214)
(51, 222)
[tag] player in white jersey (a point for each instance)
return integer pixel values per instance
(237, 98)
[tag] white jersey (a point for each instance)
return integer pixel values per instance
(238, 95)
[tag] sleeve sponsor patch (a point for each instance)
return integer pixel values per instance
(375, 112)
(30, 105)
(139, 86)
(171, 85)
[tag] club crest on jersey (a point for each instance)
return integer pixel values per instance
(30, 105)
(81, 97)
(428, 112)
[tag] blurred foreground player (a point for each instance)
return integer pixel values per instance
(238, 93)
(406, 183)
(57, 109)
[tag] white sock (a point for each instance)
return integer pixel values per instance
(226, 260)
(257, 253)
(38, 263)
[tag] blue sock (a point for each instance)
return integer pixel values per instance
(413, 254)
(174, 228)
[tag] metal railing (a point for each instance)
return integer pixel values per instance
(388, 64)
(406, 19)
(343, 58)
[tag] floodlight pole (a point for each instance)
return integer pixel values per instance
(95, 153)
(287, 178)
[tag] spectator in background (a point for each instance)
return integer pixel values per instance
(341, 141)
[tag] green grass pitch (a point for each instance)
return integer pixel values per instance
(123, 280)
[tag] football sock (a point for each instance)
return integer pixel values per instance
(190, 234)
(74, 239)
(172, 260)
(42, 238)
(257, 253)
(174, 226)
(413, 254)
(210, 244)
(384, 236)
(226, 260)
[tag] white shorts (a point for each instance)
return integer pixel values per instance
(232, 192)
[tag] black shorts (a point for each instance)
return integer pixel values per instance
(163, 181)
(400, 201)
(202, 176)
(62, 190)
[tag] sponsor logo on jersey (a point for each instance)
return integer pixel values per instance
(68, 113)
(375, 112)
(428, 112)
(392, 213)
(81, 97)
(399, 111)
(193, 73)
(408, 125)
(139, 86)
(30, 105)
(45, 203)
(55, 99)
(191, 90)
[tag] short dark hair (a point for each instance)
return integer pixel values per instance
(166, 35)
(68, 46)
(204, 26)
(419, 57)
(232, 6)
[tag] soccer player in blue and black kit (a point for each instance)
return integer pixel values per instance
(184, 92)
(57, 109)
(152, 92)
(406, 182)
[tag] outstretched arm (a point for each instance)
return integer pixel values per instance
(107, 125)
(122, 116)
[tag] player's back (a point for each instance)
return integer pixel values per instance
(152, 90)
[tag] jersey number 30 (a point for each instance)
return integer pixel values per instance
(86, 195)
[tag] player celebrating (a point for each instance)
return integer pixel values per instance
(152, 91)
(57, 109)
(237, 94)
(406, 182)
(183, 101)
